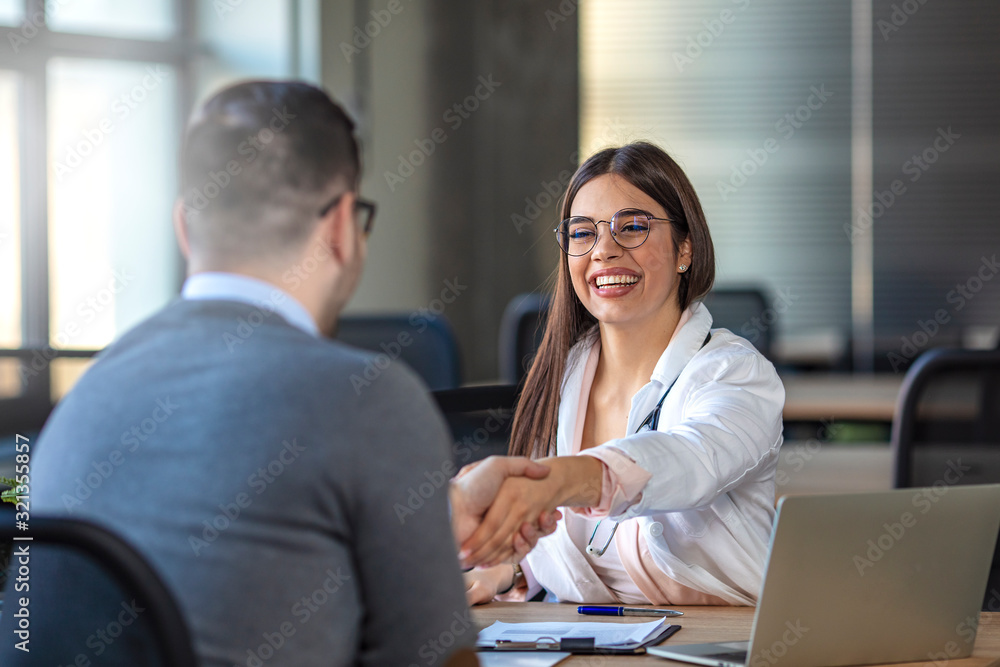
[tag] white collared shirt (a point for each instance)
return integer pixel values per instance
(218, 285)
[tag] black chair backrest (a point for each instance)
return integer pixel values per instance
(745, 313)
(111, 555)
(480, 419)
(946, 429)
(521, 330)
(424, 341)
(948, 407)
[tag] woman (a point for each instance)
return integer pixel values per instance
(662, 435)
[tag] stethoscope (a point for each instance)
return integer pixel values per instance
(650, 423)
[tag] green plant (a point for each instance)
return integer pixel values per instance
(8, 495)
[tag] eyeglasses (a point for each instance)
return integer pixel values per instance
(363, 209)
(629, 228)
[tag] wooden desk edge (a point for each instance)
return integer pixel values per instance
(727, 623)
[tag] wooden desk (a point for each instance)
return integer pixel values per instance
(841, 396)
(703, 624)
(808, 468)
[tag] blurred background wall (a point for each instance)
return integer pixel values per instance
(467, 111)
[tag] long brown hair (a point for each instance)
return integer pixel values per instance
(650, 169)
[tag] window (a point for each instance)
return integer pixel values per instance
(10, 237)
(149, 19)
(93, 96)
(744, 96)
(111, 135)
(10, 205)
(11, 12)
(910, 265)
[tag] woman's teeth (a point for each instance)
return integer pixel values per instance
(615, 281)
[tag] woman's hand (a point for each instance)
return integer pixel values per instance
(482, 584)
(574, 480)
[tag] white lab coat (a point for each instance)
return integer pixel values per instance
(706, 514)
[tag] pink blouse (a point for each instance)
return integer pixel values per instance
(622, 485)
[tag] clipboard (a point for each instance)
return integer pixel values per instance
(582, 645)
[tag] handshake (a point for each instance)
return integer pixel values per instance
(501, 506)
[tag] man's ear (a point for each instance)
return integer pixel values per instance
(339, 230)
(180, 228)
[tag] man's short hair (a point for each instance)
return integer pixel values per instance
(258, 162)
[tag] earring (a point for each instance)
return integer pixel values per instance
(682, 268)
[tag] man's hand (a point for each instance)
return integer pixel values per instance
(477, 485)
(575, 481)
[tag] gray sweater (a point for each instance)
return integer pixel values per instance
(298, 514)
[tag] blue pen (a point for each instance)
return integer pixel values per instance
(627, 611)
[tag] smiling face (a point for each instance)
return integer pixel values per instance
(621, 286)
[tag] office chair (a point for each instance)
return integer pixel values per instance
(521, 330)
(745, 313)
(425, 342)
(93, 566)
(480, 419)
(946, 428)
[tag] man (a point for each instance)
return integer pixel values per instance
(223, 438)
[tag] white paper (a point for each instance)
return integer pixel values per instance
(604, 634)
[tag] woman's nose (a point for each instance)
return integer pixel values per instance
(606, 246)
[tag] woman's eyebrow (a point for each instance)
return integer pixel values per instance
(626, 208)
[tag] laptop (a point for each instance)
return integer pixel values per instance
(894, 576)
